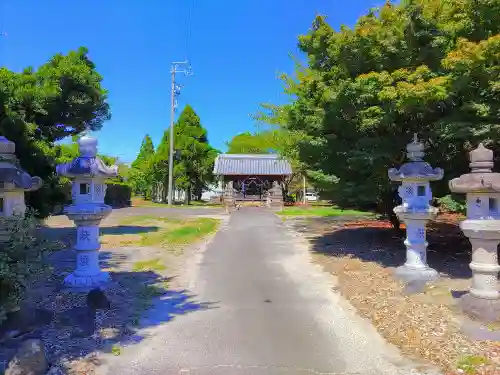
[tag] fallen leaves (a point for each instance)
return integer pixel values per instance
(421, 327)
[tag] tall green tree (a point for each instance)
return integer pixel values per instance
(39, 107)
(195, 157)
(146, 152)
(424, 66)
(252, 143)
(140, 171)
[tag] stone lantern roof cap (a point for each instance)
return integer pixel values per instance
(416, 168)
(87, 164)
(481, 179)
(11, 171)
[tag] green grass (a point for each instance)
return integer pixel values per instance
(470, 363)
(116, 350)
(172, 231)
(191, 232)
(322, 211)
(141, 202)
(149, 265)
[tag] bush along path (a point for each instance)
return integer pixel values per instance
(150, 259)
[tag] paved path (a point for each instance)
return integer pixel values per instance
(274, 314)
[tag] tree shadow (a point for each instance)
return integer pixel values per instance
(67, 234)
(449, 250)
(138, 301)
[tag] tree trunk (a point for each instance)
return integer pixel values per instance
(390, 200)
(187, 197)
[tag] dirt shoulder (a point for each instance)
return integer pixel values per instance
(425, 325)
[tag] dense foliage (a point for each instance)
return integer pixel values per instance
(140, 176)
(425, 66)
(40, 107)
(251, 143)
(21, 259)
(193, 164)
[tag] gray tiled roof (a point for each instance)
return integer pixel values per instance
(256, 164)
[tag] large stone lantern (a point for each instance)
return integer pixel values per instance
(89, 174)
(415, 211)
(482, 227)
(14, 182)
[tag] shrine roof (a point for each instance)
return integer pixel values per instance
(251, 164)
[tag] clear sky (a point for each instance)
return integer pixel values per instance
(236, 48)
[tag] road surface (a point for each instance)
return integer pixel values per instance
(273, 313)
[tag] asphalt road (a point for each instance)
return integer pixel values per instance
(272, 313)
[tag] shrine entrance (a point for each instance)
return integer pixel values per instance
(250, 178)
(251, 188)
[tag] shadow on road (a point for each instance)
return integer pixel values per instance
(73, 331)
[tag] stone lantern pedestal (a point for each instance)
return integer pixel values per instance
(228, 197)
(87, 211)
(415, 212)
(482, 227)
(416, 267)
(275, 200)
(87, 220)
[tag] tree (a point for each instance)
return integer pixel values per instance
(39, 107)
(146, 152)
(140, 174)
(195, 157)
(251, 143)
(424, 66)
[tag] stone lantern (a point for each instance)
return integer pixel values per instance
(482, 227)
(89, 174)
(14, 182)
(415, 211)
(228, 197)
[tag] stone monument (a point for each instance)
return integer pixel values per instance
(275, 197)
(14, 182)
(482, 227)
(228, 197)
(87, 210)
(415, 211)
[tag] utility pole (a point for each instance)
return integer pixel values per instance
(304, 191)
(176, 90)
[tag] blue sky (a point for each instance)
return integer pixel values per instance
(236, 48)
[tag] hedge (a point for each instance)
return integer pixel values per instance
(117, 195)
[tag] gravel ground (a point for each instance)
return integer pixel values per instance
(73, 342)
(426, 325)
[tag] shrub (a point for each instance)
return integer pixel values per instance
(22, 258)
(452, 203)
(118, 195)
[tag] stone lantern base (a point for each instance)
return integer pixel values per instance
(416, 275)
(85, 282)
(483, 300)
(87, 274)
(486, 310)
(416, 270)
